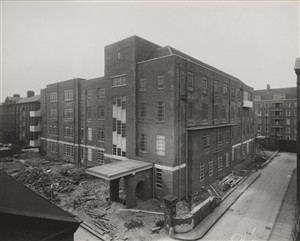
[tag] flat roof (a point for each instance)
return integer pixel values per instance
(118, 169)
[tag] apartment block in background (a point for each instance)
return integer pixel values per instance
(276, 112)
(161, 120)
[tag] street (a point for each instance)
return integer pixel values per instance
(253, 215)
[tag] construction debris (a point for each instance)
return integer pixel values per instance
(140, 211)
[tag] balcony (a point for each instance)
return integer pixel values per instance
(35, 113)
(247, 104)
(35, 128)
(34, 143)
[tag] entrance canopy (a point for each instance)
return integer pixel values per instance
(119, 169)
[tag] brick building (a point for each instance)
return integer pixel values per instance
(276, 112)
(20, 120)
(174, 123)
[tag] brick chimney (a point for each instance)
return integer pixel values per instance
(268, 87)
(16, 95)
(30, 93)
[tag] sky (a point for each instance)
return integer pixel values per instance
(50, 41)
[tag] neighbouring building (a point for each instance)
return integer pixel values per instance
(161, 120)
(276, 113)
(20, 118)
(8, 122)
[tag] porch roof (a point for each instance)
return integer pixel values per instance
(118, 169)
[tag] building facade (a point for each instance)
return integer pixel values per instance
(276, 112)
(192, 122)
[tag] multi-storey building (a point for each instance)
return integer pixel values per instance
(20, 117)
(174, 123)
(8, 119)
(276, 112)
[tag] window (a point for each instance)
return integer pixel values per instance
(142, 84)
(225, 90)
(100, 134)
(118, 81)
(288, 121)
(114, 124)
(100, 113)
(227, 159)
(232, 112)
(204, 112)
(288, 130)
(114, 150)
(143, 112)
(143, 143)
(258, 113)
(90, 136)
(53, 130)
(220, 139)
(223, 112)
(123, 102)
(160, 145)
(53, 113)
(100, 93)
(206, 141)
(89, 94)
(288, 104)
(158, 178)
(204, 85)
(267, 129)
(201, 171)
(69, 131)
(210, 167)
(259, 121)
(68, 95)
(288, 113)
(100, 157)
(123, 129)
(118, 56)
(89, 113)
(232, 92)
(266, 113)
(82, 133)
(220, 164)
(295, 104)
(288, 137)
(82, 94)
(68, 150)
(216, 112)
(295, 121)
(89, 154)
(68, 114)
(160, 82)
(161, 111)
(190, 81)
(119, 127)
(53, 146)
(259, 129)
(295, 112)
(53, 97)
(190, 111)
(227, 135)
(82, 153)
(216, 88)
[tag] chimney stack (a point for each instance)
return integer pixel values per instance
(16, 95)
(30, 93)
(268, 87)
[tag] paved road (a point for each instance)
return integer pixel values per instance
(253, 215)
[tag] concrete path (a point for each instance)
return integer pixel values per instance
(253, 215)
(202, 228)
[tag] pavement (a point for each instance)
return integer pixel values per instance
(284, 226)
(202, 228)
(250, 211)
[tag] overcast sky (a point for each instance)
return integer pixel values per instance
(46, 42)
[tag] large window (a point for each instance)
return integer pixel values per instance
(225, 90)
(101, 93)
(160, 82)
(123, 129)
(161, 111)
(53, 146)
(227, 159)
(90, 136)
(190, 81)
(68, 150)
(143, 143)
(201, 171)
(220, 164)
(206, 141)
(158, 178)
(220, 139)
(100, 134)
(211, 167)
(204, 112)
(100, 113)
(160, 145)
(143, 112)
(288, 113)
(118, 81)
(100, 157)
(68, 114)
(53, 113)
(53, 97)
(68, 94)
(143, 84)
(223, 112)
(69, 131)
(89, 154)
(204, 85)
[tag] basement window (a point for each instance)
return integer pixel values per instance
(158, 178)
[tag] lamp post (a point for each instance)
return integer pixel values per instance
(297, 70)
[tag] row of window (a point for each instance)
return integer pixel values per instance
(275, 105)
(267, 129)
(276, 122)
(276, 113)
(160, 147)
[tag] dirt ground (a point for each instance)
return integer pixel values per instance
(85, 196)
